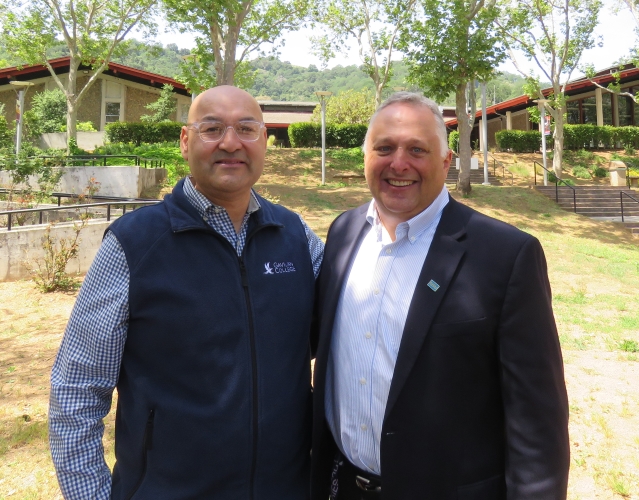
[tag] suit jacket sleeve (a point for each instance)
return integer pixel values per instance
(533, 387)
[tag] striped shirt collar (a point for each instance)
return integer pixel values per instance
(203, 205)
(412, 228)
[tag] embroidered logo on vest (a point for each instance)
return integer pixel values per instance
(279, 268)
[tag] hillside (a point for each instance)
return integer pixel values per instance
(281, 80)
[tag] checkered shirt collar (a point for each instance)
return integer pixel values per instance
(204, 206)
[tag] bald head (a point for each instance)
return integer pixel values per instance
(224, 96)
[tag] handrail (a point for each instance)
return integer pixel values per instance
(83, 159)
(621, 195)
(574, 191)
(10, 213)
(504, 169)
(59, 196)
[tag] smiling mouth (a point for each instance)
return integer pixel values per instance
(395, 183)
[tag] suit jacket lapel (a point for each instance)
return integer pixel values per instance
(441, 263)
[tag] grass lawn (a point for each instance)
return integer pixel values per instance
(594, 272)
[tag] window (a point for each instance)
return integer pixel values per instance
(606, 104)
(112, 102)
(573, 110)
(589, 110)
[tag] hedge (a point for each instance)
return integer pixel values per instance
(309, 135)
(518, 141)
(453, 141)
(138, 132)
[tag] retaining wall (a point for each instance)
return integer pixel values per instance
(124, 182)
(58, 140)
(19, 246)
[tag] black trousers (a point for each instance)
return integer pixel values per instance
(346, 478)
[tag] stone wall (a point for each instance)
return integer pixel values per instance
(520, 121)
(18, 247)
(90, 108)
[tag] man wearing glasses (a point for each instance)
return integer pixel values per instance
(198, 310)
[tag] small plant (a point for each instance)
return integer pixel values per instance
(49, 273)
(629, 345)
(270, 142)
(629, 151)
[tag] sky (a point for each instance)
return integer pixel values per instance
(616, 31)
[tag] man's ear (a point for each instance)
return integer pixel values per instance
(184, 143)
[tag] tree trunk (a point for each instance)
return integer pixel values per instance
(558, 136)
(461, 111)
(72, 110)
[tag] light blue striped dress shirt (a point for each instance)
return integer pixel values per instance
(368, 329)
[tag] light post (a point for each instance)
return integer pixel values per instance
(542, 128)
(323, 94)
(484, 132)
(22, 90)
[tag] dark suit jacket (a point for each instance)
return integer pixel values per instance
(477, 407)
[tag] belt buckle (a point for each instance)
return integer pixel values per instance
(366, 484)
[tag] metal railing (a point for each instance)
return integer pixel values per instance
(621, 195)
(59, 196)
(99, 160)
(108, 205)
(504, 169)
(557, 181)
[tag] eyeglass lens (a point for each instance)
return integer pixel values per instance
(213, 131)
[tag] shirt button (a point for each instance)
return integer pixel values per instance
(362, 381)
(368, 335)
(376, 291)
(412, 238)
(363, 427)
(389, 251)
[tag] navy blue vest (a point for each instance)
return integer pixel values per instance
(214, 390)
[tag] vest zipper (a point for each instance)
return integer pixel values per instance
(254, 372)
(147, 444)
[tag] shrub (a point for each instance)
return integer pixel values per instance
(137, 133)
(81, 127)
(6, 137)
(518, 141)
(305, 134)
(581, 172)
(48, 112)
(309, 135)
(345, 136)
(453, 141)
(627, 136)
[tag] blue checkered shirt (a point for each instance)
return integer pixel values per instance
(86, 369)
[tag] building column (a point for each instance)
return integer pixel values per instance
(599, 103)
(509, 120)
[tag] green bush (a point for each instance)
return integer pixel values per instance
(309, 135)
(6, 137)
(305, 135)
(453, 141)
(80, 127)
(581, 172)
(518, 141)
(628, 137)
(48, 112)
(137, 133)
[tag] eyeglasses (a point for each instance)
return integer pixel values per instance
(214, 131)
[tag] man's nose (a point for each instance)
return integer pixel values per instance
(399, 160)
(230, 141)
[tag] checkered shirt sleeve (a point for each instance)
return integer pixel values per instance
(85, 373)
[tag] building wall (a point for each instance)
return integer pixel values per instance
(494, 126)
(521, 121)
(136, 100)
(90, 107)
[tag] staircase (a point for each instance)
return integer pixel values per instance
(476, 176)
(598, 202)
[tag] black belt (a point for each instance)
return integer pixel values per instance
(354, 483)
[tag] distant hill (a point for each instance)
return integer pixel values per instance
(282, 81)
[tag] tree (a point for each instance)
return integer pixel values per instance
(553, 34)
(358, 19)
(93, 32)
(454, 44)
(228, 31)
(348, 107)
(48, 112)
(163, 107)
